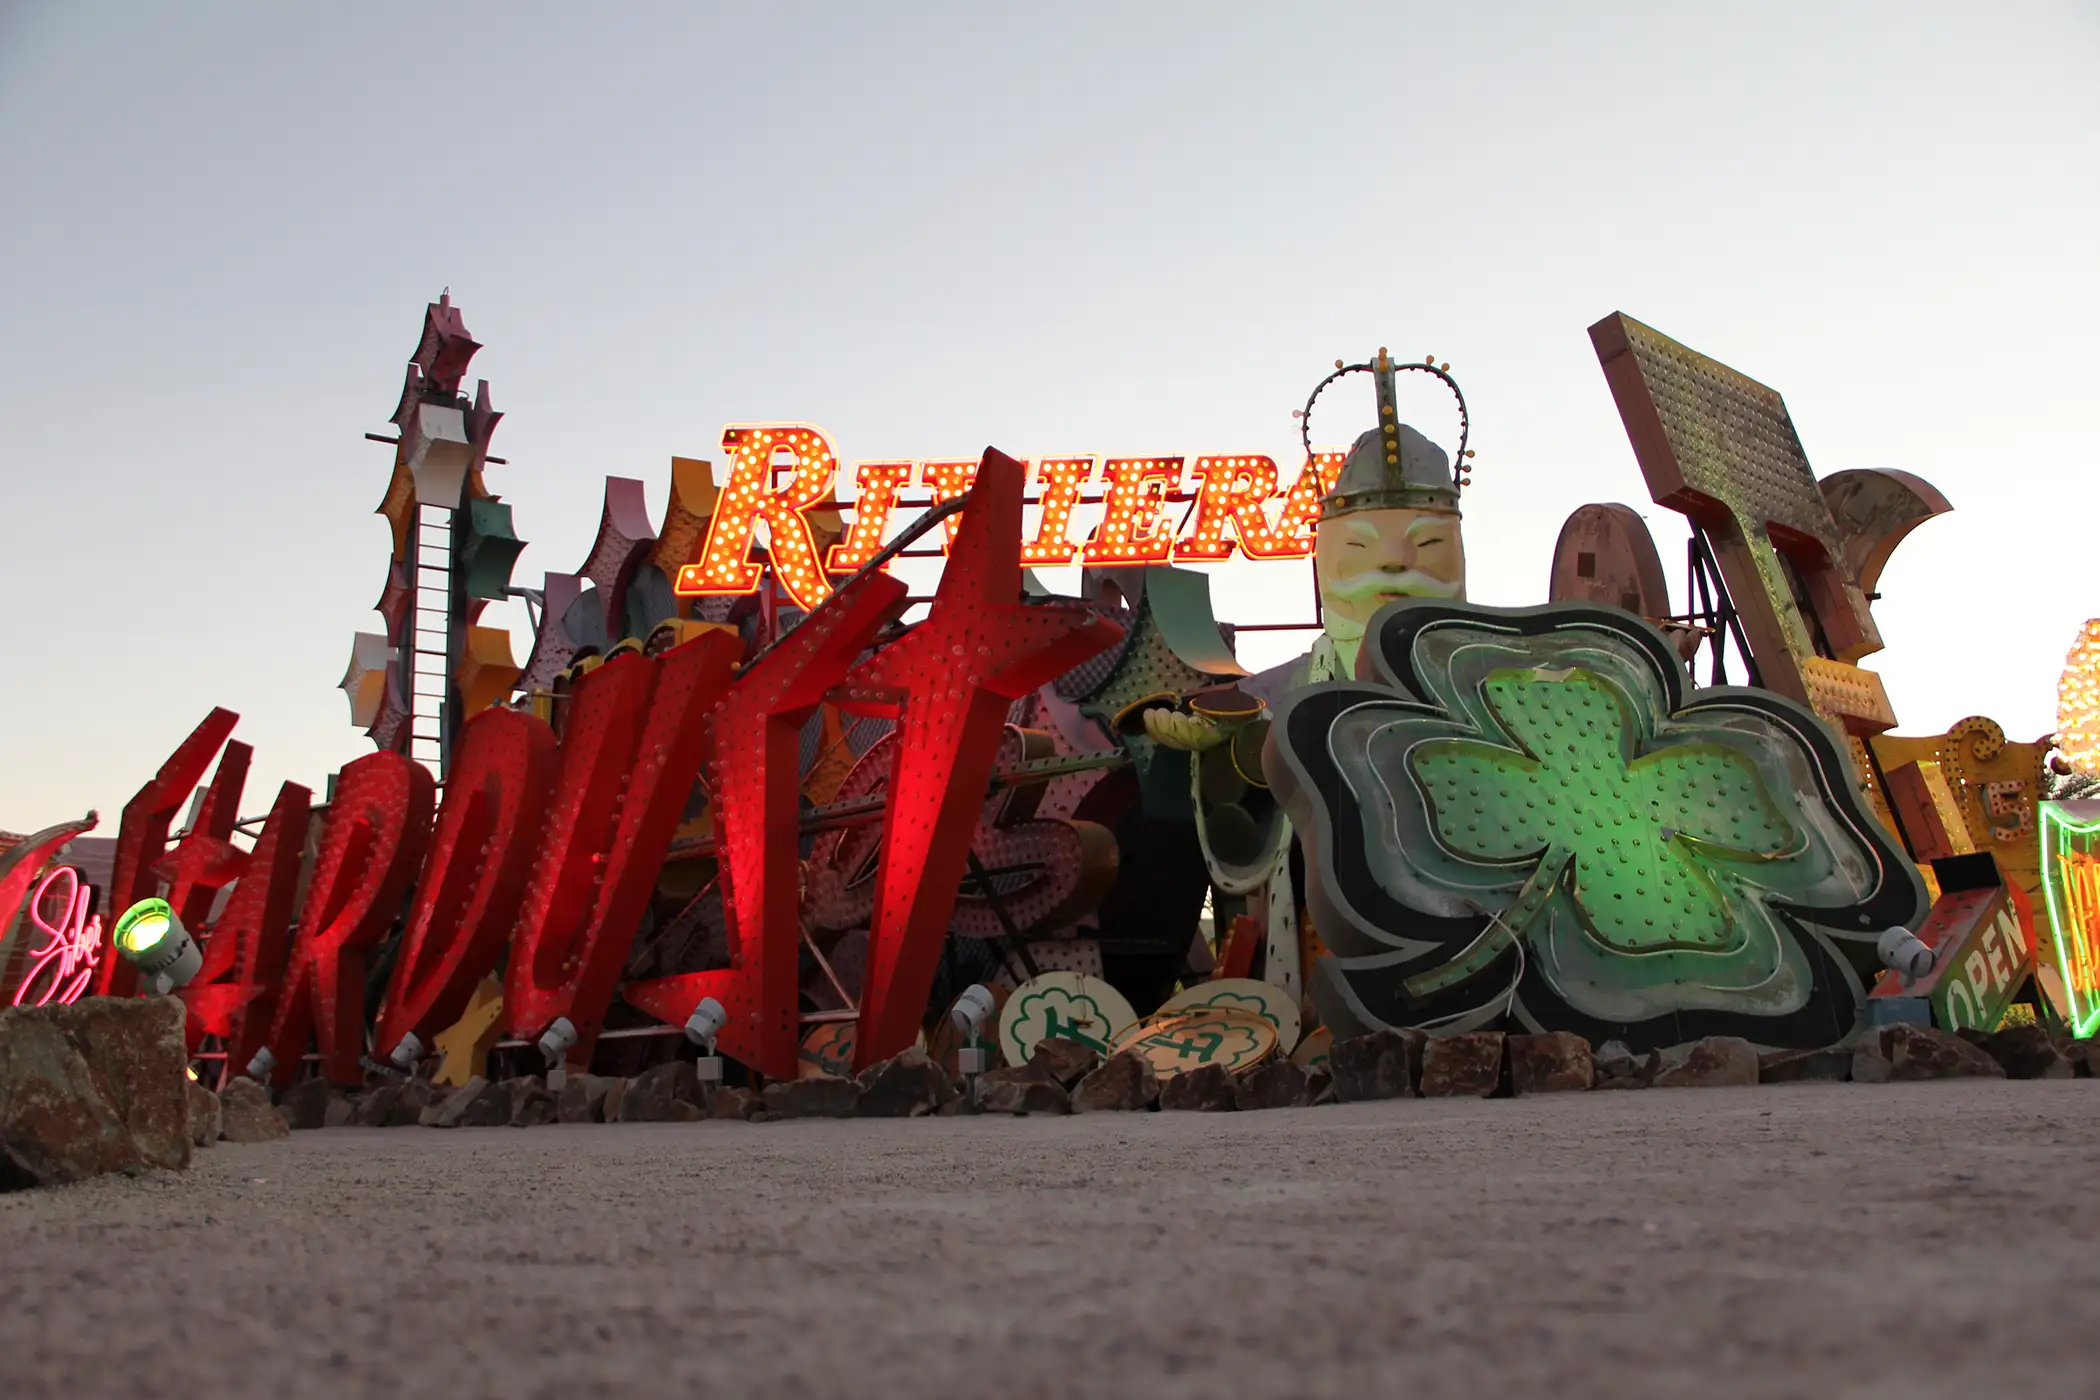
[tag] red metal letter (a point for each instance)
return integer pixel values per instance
(248, 940)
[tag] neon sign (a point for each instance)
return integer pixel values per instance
(61, 968)
(1232, 500)
(2071, 883)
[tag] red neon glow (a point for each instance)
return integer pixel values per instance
(234, 994)
(726, 565)
(1131, 530)
(875, 486)
(60, 969)
(1058, 483)
(949, 683)
(378, 824)
(754, 785)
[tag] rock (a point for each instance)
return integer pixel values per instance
(1277, 1084)
(2082, 1055)
(1619, 1068)
(1067, 1060)
(341, 1109)
(1906, 1053)
(475, 1104)
(1204, 1089)
(407, 1110)
(245, 1114)
(304, 1106)
(1386, 1064)
(1124, 1083)
(2027, 1052)
(582, 1098)
(204, 1115)
(1804, 1066)
(1465, 1066)
(611, 1107)
(734, 1104)
(961, 1106)
(1319, 1088)
(684, 1112)
(1017, 1095)
(1716, 1062)
(1555, 1062)
(97, 1086)
(824, 1096)
(650, 1094)
(908, 1085)
(532, 1103)
(376, 1108)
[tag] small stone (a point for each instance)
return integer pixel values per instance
(1870, 1061)
(1277, 1084)
(1067, 1060)
(611, 1107)
(1465, 1066)
(734, 1104)
(1123, 1084)
(684, 1112)
(2082, 1055)
(1918, 1053)
(650, 1094)
(961, 1106)
(407, 1110)
(304, 1106)
(475, 1104)
(376, 1108)
(1386, 1064)
(1555, 1062)
(823, 1096)
(908, 1085)
(1804, 1066)
(532, 1103)
(1043, 1095)
(246, 1115)
(582, 1098)
(2027, 1052)
(1716, 1062)
(1617, 1067)
(204, 1115)
(341, 1109)
(1204, 1089)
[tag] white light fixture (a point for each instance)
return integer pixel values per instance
(1901, 950)
(154, 941)
(701, 1028)
(259, 1068)
(556, 1040)
(971, 1010)
(407, 1053)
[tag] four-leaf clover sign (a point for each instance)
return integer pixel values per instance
(1525, 813)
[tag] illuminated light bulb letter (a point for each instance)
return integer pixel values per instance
(726, 565)
(875, 487)
(640, 739)
(474, 876)
(234, 994)
(948, 480)
(1233, 492)
(1131, 531)
(378, 825)
(1293, 537)
(1058, 481)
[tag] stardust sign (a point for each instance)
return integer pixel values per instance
(1233, 499)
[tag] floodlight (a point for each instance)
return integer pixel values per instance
(971, 1010)
(407, 1053)
(706, 1023)
(1901, 949)
(556, 1040)
(259, 1068)
(154, 941)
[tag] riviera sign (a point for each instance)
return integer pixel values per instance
(1232, 503)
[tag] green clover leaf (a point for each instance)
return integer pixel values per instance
(1642, 833)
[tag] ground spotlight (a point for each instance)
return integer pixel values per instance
(1901, 949)
(556, 1040)
(971, 1010)
(259, 1068)
(407, 1053)
(154, 941)
(701, 1028)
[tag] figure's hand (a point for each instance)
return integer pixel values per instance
(1176, 730)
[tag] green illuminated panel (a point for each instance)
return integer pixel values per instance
(2071, 883)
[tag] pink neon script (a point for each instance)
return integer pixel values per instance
(75, 945)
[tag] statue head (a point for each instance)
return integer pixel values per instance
(1389, 529)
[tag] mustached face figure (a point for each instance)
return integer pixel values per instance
(1367, 558)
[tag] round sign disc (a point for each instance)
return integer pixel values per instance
(1069, 1004)
(1311, 1053)
(1209, 1035)
(1248, 994)
(827, 1050)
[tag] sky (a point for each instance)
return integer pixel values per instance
(1113, 228)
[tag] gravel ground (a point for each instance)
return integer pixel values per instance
(1813, 1240)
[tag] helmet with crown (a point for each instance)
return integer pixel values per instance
(1394, 466)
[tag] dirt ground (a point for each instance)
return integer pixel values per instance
(1816, 1240)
